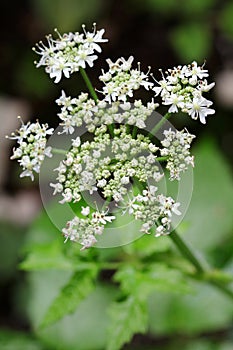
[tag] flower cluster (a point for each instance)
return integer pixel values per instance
(182, 89)
(176, 147)
(154, 210)
(107, 165)
(32, 149)
(120, 80)
(83, 110)
(66, 54)
(84, 230)
(117, 159)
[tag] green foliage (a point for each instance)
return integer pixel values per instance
(127, 318)
(72, 294)
(154, 277)
(10, 340)
(46, 256)
(225, 20)
(191, 41)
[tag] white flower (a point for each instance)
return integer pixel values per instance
(32, 150)
(69, 52)
(183, 87)
(120, 81)
(199, 108)
(176, 147)
(176, 101)
(85, 211)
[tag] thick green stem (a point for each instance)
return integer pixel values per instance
(160, 123)
(89, 84)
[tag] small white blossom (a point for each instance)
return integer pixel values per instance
(182, 89)
(66, 54)
(85, 211)
(176, 148)
(31, 151)
(199, 108)
(121, 80)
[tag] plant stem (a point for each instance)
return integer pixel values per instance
(162, 159)
(191, 257)
(93, 93)
(58, 151)
(160, 123)
(89, 84)
(186, 251)
(134, 132)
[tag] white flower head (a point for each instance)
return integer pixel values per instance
(69, 52)
(121, 80)
(31, 151)
(182, 89)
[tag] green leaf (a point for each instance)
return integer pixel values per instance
(72, 294)
(155, 277)
(147, 245)
(191, 41)
(46, 256)
(127, 318)
(10, 340)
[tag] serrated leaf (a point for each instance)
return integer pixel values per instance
(76, 290)
(155, 277)
(127, 318)
(46, 256)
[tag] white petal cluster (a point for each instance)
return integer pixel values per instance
(182, 89)
(70, 51)
(31, 150)
(107, 165)
(85, 230)
(121, 80)
(153, 209)
(177, 148)
(83, 110)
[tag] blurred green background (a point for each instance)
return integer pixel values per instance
(160, 34)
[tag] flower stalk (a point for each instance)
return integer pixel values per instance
(88, 84)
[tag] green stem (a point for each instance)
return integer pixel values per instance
(58, 151)
(202, 270)
(134, 132)
(88, 84)
(162, 159)
(93, 93)
(186, 251)
(160, 123)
